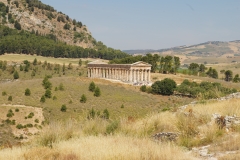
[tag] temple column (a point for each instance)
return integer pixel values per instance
(114, 73)
(149, 76)
(137, 75)
(107, 73)
(142, 76)
(126, 75)
(89, 72)
(145, 75)
(96, 72)
(130, 76)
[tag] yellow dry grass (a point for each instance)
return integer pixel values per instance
(101, 148)
(228, 107)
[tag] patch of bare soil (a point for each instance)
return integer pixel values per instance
(25, 121)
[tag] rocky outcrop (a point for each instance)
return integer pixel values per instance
(165, 136)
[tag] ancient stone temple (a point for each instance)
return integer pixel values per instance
(136, 73)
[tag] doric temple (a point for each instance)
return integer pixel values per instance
(138, 72)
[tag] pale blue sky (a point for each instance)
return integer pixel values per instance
(155, 24)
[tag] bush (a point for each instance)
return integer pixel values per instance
(54, 97)
(27, 92)
(10, 98)
(42, 99)
(61, 87)
(63, 108)
(4, 93)
(83, 99)
(15, 75)
(30, 115)
(97, 92)
(91, 114)
(36, 121)
(48, 93)
(19, 126)
(46, 83)
(16, 110)
(143, 88)
(29, 125)
(92, 87)
(164, 87)
(111, 128)
(10, 114)
(105, 114)
(122, 106)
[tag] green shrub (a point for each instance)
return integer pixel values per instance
(29, 125)
(122, 106)
(16, 110)
(91, 114)
(15, 75)
(48, 93)
(30, 115)
(143, 88)
(111, 128)
(42, 99)
(164, 87)
(54, 97)
(4, 93)
(92, 87)
(36, 121)
(97, 92)
(63, 108)
(10, 114)
(10, 98)
(19, 126)
(61, 87)
(27, 92)
(105, 114)
(83, 99)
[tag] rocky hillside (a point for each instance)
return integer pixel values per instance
(34, 16)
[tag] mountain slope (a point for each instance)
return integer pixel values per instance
(34, 16)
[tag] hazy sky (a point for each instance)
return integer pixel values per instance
(155, 24)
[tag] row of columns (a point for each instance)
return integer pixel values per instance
(127, 75)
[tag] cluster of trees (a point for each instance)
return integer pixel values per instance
(93, 88)
(13, 41)
(205, 90)
(168, 64)
(3, 9)
(39, 4)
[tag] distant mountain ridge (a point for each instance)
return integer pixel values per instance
(202, 49)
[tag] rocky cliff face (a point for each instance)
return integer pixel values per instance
(46, 21)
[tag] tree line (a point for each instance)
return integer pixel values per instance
(168, 64)
(14, 41)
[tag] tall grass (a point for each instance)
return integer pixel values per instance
(102, 148)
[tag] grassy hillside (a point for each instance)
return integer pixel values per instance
(134, 116)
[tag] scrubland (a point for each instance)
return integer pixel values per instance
(134, 118)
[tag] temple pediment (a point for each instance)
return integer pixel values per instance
(141, 63)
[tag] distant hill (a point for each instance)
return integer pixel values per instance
(211, 48)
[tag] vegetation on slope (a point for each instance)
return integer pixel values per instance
(13, 41)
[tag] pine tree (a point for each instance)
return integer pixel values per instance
(27, 92)
(97, 92)
(92, 87)
(16, 75)
(83, 99)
